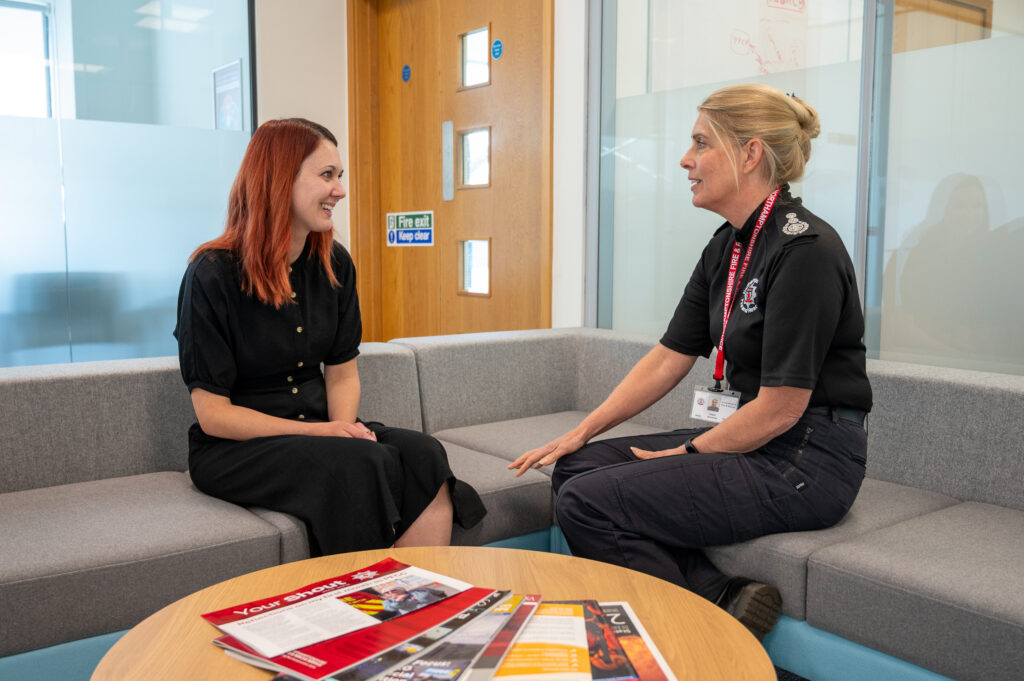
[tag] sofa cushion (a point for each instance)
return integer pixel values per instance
(92, 402)
(390, 385)
(483, 377)
(606, 356)
(948, 430)
(942, 591)
(90, 558)
(508, 439)
(515, 506)
(781, 559)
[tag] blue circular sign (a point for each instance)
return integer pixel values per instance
(391, 236)
(406, 73)
(496, 49)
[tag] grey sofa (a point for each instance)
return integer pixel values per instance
(100, 526)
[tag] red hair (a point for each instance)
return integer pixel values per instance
(259, 225)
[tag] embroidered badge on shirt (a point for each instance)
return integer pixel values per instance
(749, 302)
(795, 225)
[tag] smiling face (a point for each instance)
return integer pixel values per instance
(711, 166)
(316, 191)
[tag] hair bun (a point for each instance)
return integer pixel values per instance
(806, 116)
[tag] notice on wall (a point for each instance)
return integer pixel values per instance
(410, 229)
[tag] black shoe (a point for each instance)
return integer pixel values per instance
(756, 605)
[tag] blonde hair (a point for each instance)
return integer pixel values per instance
(785, 124)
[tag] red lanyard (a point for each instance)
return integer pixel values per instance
(731, 282)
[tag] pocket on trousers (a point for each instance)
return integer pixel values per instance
(738, 491)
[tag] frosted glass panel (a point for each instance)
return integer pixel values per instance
(954, 225)
(33, 288)
(666, 64)
(140, 198)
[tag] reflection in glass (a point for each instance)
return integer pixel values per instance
(946, 243)
(666, 57)
(476, 64)
(475, 266)
(106, 195)
(476, 162)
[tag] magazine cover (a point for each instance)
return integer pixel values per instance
(452, 630)
(493, 654)
(552, 647)
(608, 659)
(642, 653)
(333, 607)
(452, 657)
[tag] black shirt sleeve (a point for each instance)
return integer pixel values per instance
(350, 326)
(804, 299)
(203, 330)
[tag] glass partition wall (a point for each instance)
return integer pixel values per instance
(122, 125)
(914, 166)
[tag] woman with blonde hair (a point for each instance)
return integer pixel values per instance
(260, 309)
(775, 292)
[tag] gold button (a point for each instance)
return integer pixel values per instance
(302, 416)
(294, 390)
(298, 329)
(290, 379)
(300, 364)
(293, 294)
(289, 269)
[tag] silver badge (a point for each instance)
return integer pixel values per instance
(795, 225)
(749, 301)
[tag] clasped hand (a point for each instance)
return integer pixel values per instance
(342, 429)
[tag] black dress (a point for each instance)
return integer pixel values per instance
(353, 494)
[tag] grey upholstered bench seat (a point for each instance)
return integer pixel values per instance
(781, 559)
(508, 439)
(941, 590)
(88, 558)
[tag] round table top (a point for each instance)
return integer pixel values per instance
(698, 639)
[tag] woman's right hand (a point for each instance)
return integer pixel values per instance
(342, 429)
(549, 453)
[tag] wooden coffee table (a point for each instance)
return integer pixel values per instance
(699, 640)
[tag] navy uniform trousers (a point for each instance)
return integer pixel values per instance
(657, 515)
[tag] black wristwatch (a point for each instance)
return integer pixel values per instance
(690, 447)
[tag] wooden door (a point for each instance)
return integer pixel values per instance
(398, 108)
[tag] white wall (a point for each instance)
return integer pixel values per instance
(569, 161)
(301, 70)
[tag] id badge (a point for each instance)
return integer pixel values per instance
(714, 406)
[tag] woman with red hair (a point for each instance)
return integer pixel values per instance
(261, 307)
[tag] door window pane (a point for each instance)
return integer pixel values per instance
(475, 266)
(476, 62)
(476, 158)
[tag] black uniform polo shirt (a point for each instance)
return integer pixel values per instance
(796, 318)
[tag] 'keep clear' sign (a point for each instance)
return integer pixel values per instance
(411, 229)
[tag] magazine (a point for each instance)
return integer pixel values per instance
(452, 657)
(608, 659)
(493, 654)
(552, 647)
(643, 654)
(333, 607)
(455, 628)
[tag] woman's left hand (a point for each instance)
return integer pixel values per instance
(644, 454)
